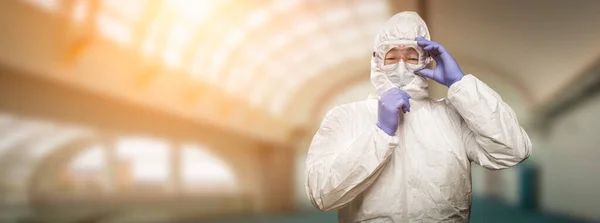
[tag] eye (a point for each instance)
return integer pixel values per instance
(390, 58)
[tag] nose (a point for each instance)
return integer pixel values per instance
(403, 58)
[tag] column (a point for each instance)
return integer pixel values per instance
(278, 169)
(110, 167)
(175, 167)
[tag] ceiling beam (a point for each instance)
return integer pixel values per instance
(59, 102)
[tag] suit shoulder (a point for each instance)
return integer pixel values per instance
(445, 105)
(353, 108)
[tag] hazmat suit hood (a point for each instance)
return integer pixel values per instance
(402, 26)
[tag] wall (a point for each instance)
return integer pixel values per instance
(568, 155)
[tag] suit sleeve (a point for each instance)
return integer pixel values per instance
(344, 159)
(491, 133)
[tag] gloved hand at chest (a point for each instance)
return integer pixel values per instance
(391, 103)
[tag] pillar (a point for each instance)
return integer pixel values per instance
(278, 166)
(110, 167)
(175, 178)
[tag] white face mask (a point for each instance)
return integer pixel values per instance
(401, 76)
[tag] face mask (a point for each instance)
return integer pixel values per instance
(401, 76)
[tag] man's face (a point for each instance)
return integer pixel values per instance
(407, 54)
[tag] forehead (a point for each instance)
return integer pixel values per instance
(402, 49)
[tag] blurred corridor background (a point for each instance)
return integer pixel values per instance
(202, 111)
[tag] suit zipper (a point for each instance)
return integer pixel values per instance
(404, 177)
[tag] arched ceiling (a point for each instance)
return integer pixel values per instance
(260, 51)
(236, 64)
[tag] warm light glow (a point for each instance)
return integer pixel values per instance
(196, 11)
(336, 16)
(257, 18)
(233, 78)
(256, 99)
(234, 37)
(347, 36)
(294, 57)
(263, 84)
(281, 40)
(372, 7)
(355, 52)
(178, 39)
(306, 27)
(318, 44)
(130, 10)
(256, 54)
(256, 57)
(149, 45)
(198, 63)
(236, 52)
(80, 11)
(284, 5)
(218, 61)
(114, 29)
(277, 104)
(46, 5)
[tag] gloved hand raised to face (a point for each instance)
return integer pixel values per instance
(391, 103)
(447, 71)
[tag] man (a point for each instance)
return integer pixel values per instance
(401, 156)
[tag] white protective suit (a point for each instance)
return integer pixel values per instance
(423, 173)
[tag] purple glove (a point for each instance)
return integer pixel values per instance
(447, 71)
(390, 104)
